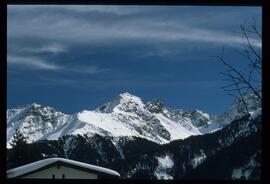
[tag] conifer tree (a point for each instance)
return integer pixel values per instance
(19, 151)
(18, 139)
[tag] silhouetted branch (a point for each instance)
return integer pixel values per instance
(243, 82)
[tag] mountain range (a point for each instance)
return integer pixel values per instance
(146, 139)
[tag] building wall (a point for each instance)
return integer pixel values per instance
(69, 173)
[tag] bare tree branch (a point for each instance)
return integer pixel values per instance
(244, 82)
(241, 77)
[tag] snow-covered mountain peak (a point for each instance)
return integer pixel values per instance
(123, 102)
(43, 111)
(126, 95)
(235, 111)
(238, 108)
(126, 115)
(128, 100)
(35, 121)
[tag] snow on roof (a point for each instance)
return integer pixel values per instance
(41, 163)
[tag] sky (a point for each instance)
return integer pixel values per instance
(77, 57)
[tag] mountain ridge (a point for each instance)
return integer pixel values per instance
(159, 142)
(126, 115)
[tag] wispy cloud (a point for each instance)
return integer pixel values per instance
(35, 63)
(32, 63)
(112, 9)
(53, 48)
(115, 30)
(86, 69)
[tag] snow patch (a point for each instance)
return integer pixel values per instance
(203, 114)
(164, 167)
(198, 159)
(245, 171)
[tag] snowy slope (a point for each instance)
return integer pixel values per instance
(129, 116)
(126, 115)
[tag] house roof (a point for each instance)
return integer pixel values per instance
(28, 168)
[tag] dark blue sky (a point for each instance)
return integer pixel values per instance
(79, 57)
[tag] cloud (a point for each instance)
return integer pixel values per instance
(110, 9)
(86, 69)
(53, 48)
(115, 30)
(35, 63)
(113, 9)
(32, 63)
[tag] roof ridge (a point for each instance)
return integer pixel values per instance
(25, 169)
